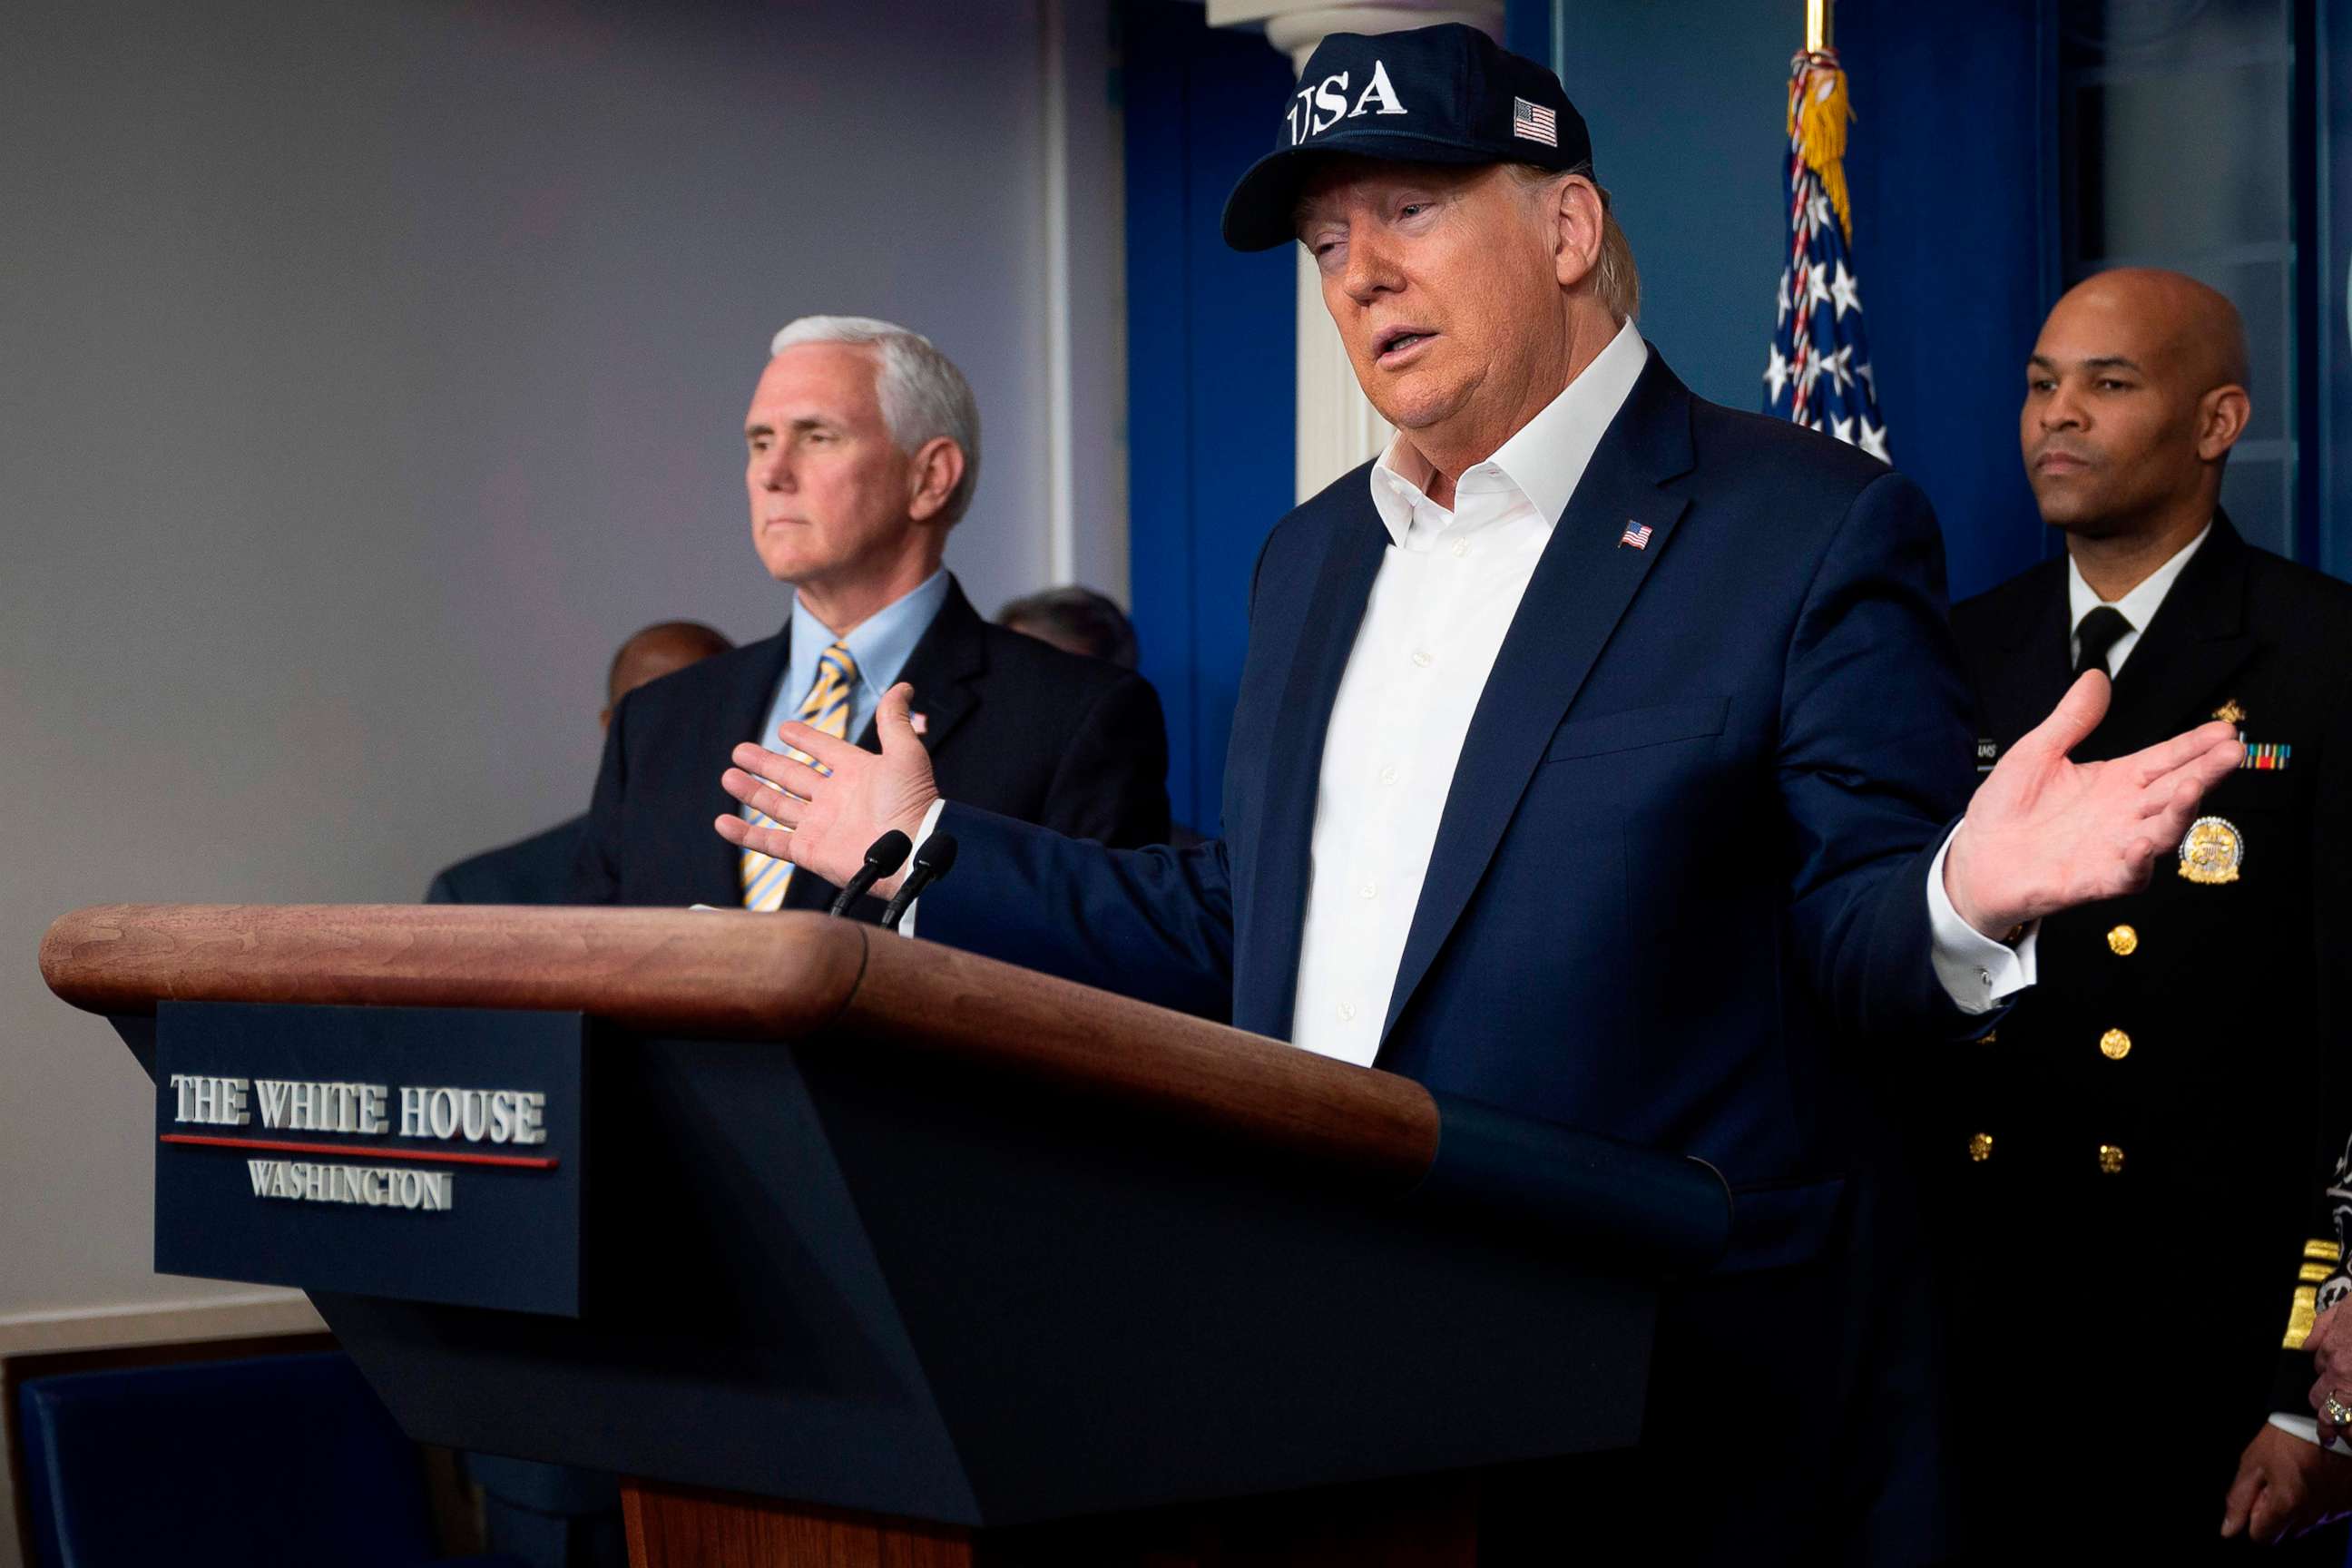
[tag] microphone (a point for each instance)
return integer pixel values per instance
(884, 856)
(933, 861)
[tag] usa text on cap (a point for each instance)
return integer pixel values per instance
(1435, 95)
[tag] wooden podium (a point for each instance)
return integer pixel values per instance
(891, 1255)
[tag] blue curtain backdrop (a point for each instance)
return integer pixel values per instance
(1211, 378)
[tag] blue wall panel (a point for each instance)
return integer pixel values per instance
(1211, 383)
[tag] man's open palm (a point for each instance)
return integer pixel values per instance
(2043, 833)
(825, 820)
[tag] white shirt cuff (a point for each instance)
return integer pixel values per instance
(922, 837)
(2306, 1427)
(1978, 973)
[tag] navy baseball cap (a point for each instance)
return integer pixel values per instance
(1448, 94)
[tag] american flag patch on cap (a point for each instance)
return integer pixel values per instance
(1535, 122)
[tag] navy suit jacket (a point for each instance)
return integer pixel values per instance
(1678, 894)
(1013, 724)
(537, 870)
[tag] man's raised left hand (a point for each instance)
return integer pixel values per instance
(2043, 833)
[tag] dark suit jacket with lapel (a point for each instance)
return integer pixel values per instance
(2222, 1103)
(1679, 885)
(537, 870)
(1075, 744)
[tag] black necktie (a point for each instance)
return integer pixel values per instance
(2097, 633)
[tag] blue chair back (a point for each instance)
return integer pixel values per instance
(275, 1460)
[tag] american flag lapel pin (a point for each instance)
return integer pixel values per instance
(1636, 535)
(920, 723)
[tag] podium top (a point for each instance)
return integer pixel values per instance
(735, 975)
(796, 976)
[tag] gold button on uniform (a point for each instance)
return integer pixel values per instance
(2114, 1044)
(2123, 941)
(1981, 1147)
(2111, 1159)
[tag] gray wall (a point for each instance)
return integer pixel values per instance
(366, 372)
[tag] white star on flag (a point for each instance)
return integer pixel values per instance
(1776, 373)
(1845, 291)
(1873, 440)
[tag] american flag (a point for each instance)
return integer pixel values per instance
(1819, 373)
(1535, 122)
(1636, 535)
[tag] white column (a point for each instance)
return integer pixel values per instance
(1084, 296)
(1336, 428)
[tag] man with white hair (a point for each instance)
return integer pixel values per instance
(864, 448)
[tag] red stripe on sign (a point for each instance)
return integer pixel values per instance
(517, 1162)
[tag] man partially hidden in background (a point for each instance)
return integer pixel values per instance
(2124, 1171)
(1076, 620)
(863, 451)
(1596, 756)
(538, 870)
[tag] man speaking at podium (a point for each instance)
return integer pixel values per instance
(1596, 756)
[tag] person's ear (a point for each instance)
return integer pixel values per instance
(2221, 415)
(1579, 219)
(932, 477)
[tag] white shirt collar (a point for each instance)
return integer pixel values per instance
(1542, 461)
(2139, 605)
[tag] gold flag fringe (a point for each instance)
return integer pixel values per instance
(1818, 115)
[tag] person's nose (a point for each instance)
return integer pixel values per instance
(1370, 272)
(2063, 409)
(771, 470)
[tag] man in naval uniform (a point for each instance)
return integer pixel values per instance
(2124, 1171)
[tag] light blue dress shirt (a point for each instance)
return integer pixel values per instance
(880, 645)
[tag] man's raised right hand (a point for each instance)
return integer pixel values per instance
(826, 819)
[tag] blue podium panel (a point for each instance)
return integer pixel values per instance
(425, 1153)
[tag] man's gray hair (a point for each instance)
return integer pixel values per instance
(923, 396)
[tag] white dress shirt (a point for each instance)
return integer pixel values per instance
(1440, 607)
(2139, 606)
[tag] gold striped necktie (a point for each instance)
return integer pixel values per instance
(824, 708)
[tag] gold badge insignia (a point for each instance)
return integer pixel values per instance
(2212, 851)
(2230, 712)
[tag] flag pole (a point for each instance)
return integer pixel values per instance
(1817, 24)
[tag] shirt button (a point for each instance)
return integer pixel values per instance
(1424, 657)
(1367, 891)
(1461, 548)
(1347, 1012)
